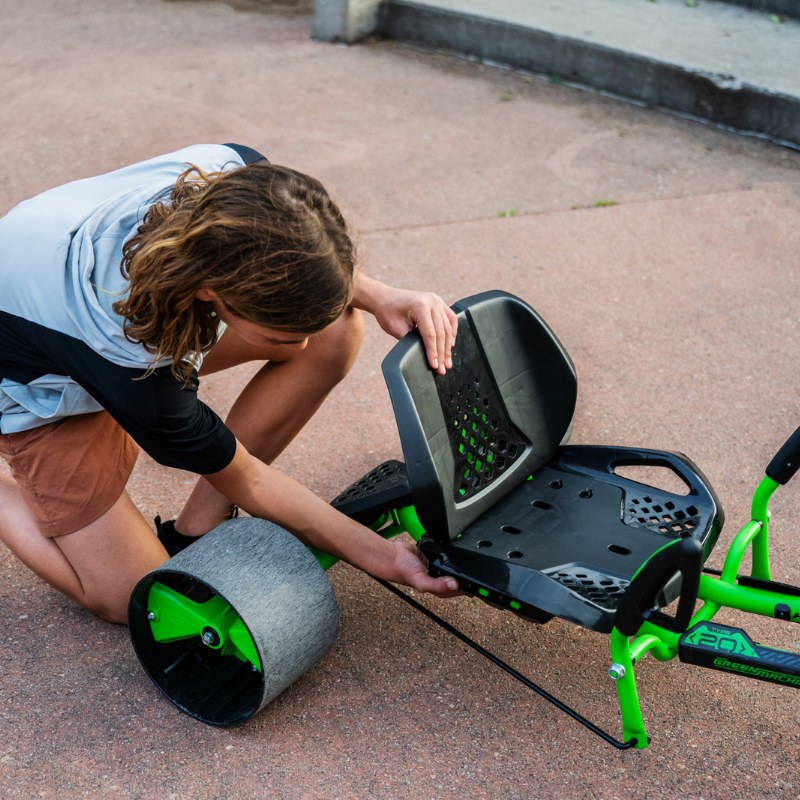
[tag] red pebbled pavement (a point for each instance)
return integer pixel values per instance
(680, 307)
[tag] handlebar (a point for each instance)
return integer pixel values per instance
(787, 460)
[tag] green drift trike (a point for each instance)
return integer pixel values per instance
(494, 497)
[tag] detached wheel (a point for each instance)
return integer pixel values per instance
(229, 623)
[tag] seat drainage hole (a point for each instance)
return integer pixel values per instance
(540, 504)
(509, 529)
(556, 484)
(620, 551)
(484, 543)
(586, 493)
(515, 554)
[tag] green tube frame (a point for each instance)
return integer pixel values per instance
(716, 593)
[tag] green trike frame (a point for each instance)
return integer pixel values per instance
(728, 649)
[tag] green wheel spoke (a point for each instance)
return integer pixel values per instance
(174, 617)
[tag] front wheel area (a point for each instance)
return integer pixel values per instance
(229, 623)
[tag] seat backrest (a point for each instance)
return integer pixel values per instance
(472, 435)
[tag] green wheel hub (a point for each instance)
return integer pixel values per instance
(173, 617)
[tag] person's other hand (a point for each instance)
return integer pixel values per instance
(402, 310)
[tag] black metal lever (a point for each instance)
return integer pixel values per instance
(510, 670)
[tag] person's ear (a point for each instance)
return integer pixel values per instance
(206, 295)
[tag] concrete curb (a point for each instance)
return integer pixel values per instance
(717, 98)
(790, 8)
(659, 81)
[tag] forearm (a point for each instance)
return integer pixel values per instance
(369, 294)
(265, 492)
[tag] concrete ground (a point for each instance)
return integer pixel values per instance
(680, 306)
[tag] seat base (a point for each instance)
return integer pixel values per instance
(568, 541)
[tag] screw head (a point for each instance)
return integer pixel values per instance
(151, 615)
(616, 672)
(210, 637)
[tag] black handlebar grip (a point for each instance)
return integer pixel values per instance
(787, 460)
(638, 602)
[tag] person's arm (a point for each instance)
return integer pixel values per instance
(399, 311)
(264, 492)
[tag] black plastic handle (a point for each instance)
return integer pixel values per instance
(787, 460)
(639, 601)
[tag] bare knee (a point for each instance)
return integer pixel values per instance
(336, 347)
(110, 612)
(113, 608)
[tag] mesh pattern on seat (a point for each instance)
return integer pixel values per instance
(483, 441)
(660, 513)
(604, 590)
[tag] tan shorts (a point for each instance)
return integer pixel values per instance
(72, 471)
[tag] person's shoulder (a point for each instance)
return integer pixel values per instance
(211, 157)
(247, 154)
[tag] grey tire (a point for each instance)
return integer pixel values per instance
(278, 590)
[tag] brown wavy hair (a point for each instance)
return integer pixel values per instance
(267, 239)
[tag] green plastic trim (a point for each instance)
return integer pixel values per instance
(760, 513)
(653, 555)
(176, 617)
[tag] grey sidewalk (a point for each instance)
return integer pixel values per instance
(715, 61)
(679, 306)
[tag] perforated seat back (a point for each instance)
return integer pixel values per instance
(472, 435)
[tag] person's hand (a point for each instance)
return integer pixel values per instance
(399, 311)
(410, 568)
(402, 311)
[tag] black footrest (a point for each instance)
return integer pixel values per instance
(384, 488)
(722, 647)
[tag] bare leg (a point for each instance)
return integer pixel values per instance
(97, 566)
(276, 404)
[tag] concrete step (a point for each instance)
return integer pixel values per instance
(789, 8)
(729, 65)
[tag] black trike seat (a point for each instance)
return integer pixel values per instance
(522, 521)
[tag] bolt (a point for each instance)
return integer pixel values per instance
(151, 615)
(208, 638)
(255, 668)
(617, 671)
